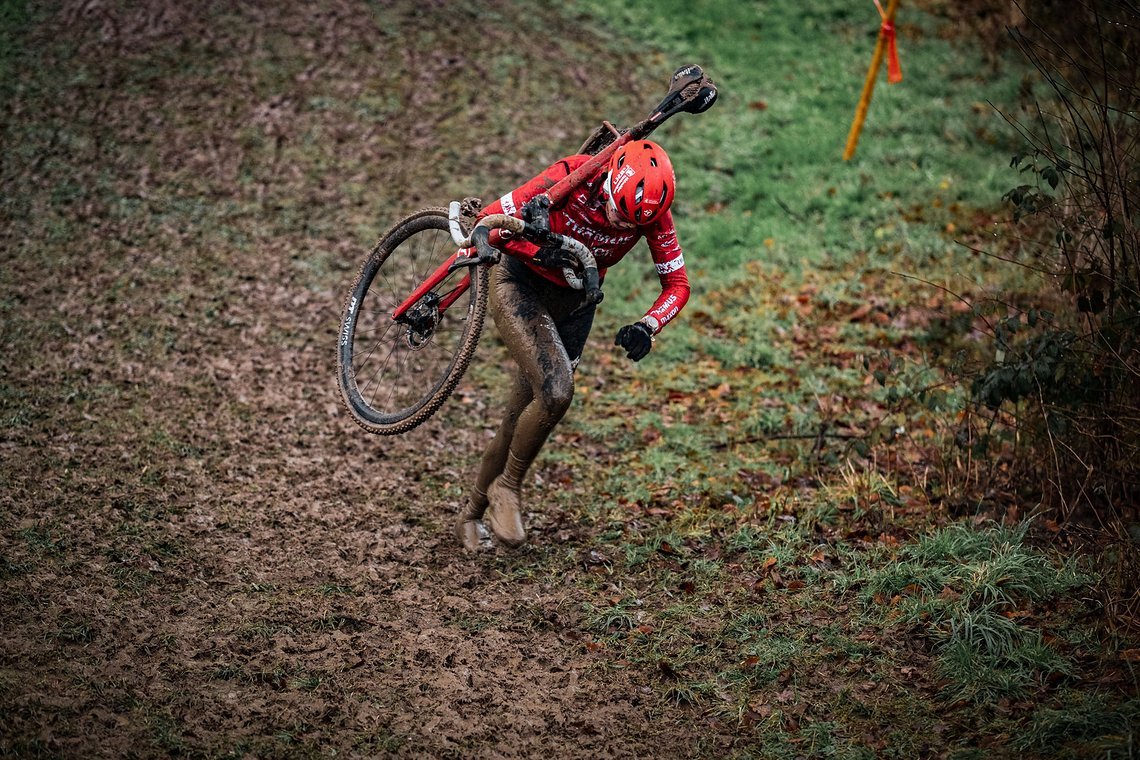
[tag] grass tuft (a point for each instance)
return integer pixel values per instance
(970, 591)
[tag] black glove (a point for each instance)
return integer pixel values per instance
(636, 340)
(555, 257)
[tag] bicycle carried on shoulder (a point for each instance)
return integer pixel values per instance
(413, 317)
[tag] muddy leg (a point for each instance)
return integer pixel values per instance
(537, 347)
(493, 462)
(545, 328)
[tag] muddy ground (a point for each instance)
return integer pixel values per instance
(201, 554)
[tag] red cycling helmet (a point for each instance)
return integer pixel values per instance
(640, 181)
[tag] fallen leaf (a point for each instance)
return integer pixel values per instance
(760, 710)
(860, 313)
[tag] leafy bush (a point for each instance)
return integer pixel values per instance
(1066, 375)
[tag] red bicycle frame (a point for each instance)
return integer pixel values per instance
(556, 194)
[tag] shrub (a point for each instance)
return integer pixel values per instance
(1068, 375)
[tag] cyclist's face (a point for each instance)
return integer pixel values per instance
(614, 218)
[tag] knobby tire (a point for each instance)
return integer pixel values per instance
(390, 382)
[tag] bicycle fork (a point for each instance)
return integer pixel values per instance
(433, 280)
(484, 252)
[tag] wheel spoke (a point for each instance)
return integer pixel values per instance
(399, 371)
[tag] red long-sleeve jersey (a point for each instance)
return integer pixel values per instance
(583, 217)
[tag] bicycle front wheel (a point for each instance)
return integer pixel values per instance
(395, 372)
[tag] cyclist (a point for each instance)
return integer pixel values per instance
(544, 321)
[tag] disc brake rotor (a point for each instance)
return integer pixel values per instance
(422, 319)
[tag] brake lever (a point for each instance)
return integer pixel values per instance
(485, 253)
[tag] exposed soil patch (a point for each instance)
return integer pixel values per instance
(201, 553)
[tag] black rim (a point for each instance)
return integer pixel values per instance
(392, 369)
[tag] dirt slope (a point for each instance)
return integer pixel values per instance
(201, 554)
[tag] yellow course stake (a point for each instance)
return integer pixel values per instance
(886, 44)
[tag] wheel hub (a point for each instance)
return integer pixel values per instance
(422, 319)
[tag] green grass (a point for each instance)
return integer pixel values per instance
(1087, 725)
(766, 162)
(763, 189)
(971, 590)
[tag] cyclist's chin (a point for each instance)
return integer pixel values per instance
(617, 222)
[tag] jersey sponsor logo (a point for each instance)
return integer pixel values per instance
(667, 317)
(663, 308)
(584, 232)
(508, 204)
(666, 239)
(665, 267)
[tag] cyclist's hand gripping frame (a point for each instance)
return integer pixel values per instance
(495, 227)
